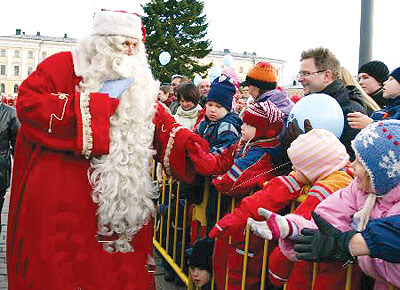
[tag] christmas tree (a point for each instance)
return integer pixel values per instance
(179, 28)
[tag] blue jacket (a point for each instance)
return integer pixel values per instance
(382, 237)
(390, 111)
(222, 133)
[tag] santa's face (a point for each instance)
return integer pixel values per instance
(130, 46)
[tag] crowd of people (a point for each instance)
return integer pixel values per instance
(91, 120)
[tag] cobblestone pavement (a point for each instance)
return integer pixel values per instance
(160, 281)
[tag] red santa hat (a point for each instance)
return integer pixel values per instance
(107, 22)
(266, 117)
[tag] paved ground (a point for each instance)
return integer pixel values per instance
(160, 281)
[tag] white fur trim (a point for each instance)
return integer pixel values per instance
(87, 137)
(117, 23)
(168, 150)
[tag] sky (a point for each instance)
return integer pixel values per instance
(275, 29)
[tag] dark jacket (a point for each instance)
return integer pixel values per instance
(390, 111)
(8, 133)
(222, 133)
(378, 97)
(350, 100)
(382, 237)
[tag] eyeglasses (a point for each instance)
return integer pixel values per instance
(303, 74)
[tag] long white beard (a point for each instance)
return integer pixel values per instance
(121, 181)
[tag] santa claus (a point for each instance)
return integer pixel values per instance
(82, 196)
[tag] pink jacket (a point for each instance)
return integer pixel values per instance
(338, 209)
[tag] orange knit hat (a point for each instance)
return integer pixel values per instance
(262, 75)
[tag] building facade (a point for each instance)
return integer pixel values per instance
(243, 62)
(21, 53)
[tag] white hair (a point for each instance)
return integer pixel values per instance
(121, 180)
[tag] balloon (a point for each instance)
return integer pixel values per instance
(323, 111)
(197, 79)
(213, 73)
(227, 60)
(164, 57)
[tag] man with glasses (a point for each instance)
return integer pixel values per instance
(320, 73)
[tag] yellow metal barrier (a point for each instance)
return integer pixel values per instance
(179, 267)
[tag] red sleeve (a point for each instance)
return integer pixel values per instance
(171, 142)
(276, 194)
(54, 115)
(317, 193)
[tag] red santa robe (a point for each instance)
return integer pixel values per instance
(52, 240)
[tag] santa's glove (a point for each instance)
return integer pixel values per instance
(260, 228)
(280, 227)
(115, 88)
(203, 161)
(327, 244)
(226, 226)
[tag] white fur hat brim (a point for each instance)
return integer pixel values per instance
(121, 23)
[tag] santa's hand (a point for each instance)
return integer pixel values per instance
(229, 224)
(203, 161)
(260, 229)
(280, 227)
(115, 88)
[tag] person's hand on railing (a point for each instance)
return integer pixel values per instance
(260, 228)
(279, 226)
(328, 243)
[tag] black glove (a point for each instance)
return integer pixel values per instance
(327, 244)
(293, 130)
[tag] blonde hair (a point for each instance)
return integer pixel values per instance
(348, 79)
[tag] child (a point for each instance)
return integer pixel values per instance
(220, 127)
(244, 167)
(318, 158)
(188, 96)
(165, 96)
(200, 263)
(261, 81)
(391, 110)
(374, 193)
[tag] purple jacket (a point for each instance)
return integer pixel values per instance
(338, 209)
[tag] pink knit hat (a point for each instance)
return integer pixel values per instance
(317, 154)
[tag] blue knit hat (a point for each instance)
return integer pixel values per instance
(222, 91)
(377, 146)
(396, 74)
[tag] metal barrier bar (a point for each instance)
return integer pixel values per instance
(162, 203)
(264, 265)
(314, 274)
(183, 234)
(169, 213)
(246, 253)
(168, 258)
(176, 223)
(348, 276)
(229, 242)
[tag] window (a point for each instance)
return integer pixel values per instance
(3, 70)
(2, 88)
(16, 70)
(30, 69)
(2, 52)
(16, 53)
(30, 54)
(15, 89)
(241, 69)
(44, 55)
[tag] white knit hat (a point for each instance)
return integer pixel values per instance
(317, 154)
(107, 22)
